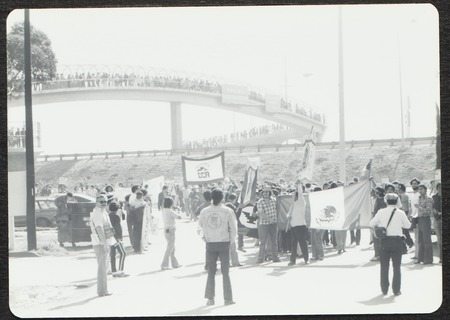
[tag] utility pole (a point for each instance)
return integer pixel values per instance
(342, 167)
(29, 148)
(401, 88)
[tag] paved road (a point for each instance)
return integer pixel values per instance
(65, 286)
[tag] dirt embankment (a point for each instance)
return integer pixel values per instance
(395, 163)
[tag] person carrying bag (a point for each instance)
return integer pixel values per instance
(392, 243)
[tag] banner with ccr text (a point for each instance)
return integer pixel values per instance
(205, 170)
(341, 208)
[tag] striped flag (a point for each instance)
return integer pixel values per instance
(338, 208)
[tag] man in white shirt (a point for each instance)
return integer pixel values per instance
(99, 221)
(392, 245)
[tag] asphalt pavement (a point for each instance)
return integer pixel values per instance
(65, 286)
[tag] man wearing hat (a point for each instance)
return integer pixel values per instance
(394, 220)
(267, 227)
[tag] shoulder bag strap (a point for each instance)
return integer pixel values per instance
(392, 214)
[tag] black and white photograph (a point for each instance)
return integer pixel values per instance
(224, 161)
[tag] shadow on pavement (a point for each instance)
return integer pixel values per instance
(380, 299)
(79, 303)
(152, 272)
(194, 275)
(203, 310)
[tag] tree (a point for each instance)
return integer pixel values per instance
(43, 59)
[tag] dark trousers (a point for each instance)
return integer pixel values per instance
(130, 228)
(326, 237)
(215, 251)
(137, 231)
(240, 241)
(391, 248)
(122, 254)
(299, 235)
(284, 240)
(355, 236)
(425, 245)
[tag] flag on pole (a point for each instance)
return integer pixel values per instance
(205, 170)
(367, 168)
(338, 208)
(248, 193)
(308, 160)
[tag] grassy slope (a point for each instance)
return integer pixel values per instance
(395, 163)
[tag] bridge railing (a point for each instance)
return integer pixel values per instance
(91, 76)
(239, 149)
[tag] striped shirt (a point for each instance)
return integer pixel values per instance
(267, 211)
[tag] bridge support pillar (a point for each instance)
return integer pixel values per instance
(175, 121)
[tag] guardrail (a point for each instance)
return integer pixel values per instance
(239, 149)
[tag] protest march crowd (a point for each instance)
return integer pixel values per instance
(223, 222)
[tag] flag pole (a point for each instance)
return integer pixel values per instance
(342, 169)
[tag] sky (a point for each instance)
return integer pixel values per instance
(390, 59)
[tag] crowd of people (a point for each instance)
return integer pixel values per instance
(216, 209)
(219, 141)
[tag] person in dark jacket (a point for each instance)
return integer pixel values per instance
(116, 216)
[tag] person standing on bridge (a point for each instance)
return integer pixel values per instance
(218, 226)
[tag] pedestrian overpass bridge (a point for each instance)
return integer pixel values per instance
(101, 82)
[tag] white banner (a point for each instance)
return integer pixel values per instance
(154, 187)
(199, 171)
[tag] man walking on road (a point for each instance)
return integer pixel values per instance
(394, 220)
(219, 229)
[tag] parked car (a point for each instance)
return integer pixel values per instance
(45, 210)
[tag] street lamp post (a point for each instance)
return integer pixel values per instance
(29, 147)
(342, 169)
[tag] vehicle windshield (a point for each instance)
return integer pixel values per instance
(47, 204)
